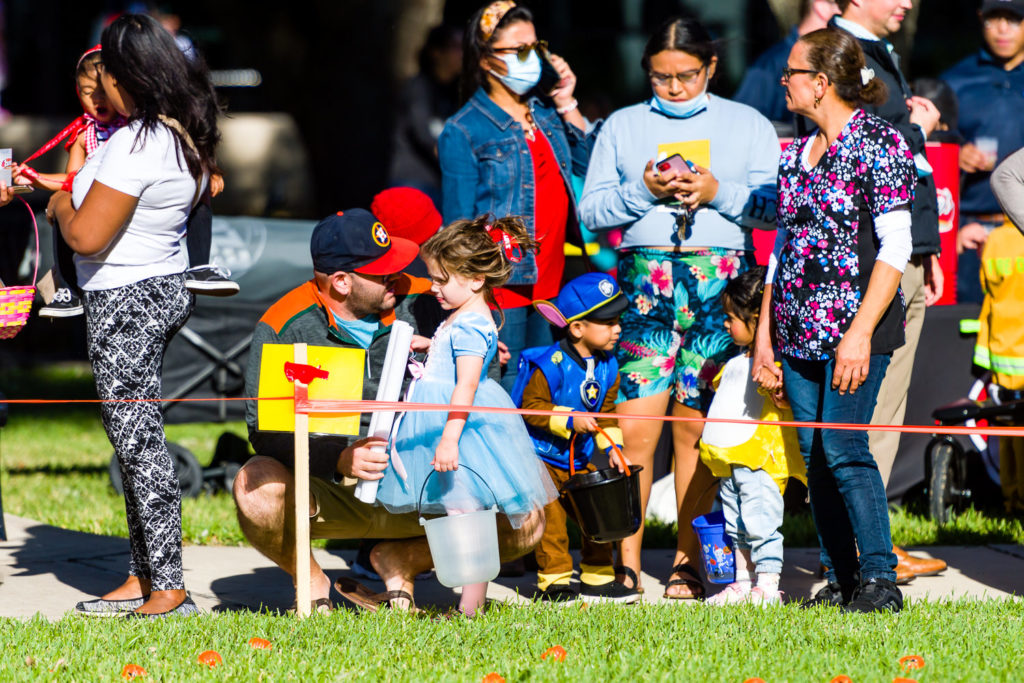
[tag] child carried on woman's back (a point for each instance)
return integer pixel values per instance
(466, 261)
(84, 137)
(754, 462)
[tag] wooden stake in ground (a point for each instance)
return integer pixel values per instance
(302, 590)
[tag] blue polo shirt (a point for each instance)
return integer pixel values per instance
(991, 105)
(761, 88)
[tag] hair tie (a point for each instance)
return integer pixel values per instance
(509, 245)
(866, 75)
(492, 16)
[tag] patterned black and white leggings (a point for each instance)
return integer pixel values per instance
(128, 330)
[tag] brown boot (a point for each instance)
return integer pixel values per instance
(918, 566)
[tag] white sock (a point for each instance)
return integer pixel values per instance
(744, 580)
(768, 582)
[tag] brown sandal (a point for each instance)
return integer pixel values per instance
(361, 596)
(696, 586)
(318, 606)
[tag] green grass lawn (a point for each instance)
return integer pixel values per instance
(959, 641)
(60, 453)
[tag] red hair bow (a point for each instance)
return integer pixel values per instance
(513, 252)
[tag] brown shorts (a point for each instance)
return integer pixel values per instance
(341, 515)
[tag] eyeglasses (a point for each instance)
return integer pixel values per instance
(523, 51)
(788, 73)
(685, 78)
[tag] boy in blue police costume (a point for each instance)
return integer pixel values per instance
(578, 374)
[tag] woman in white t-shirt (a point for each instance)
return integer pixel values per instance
(125, 219)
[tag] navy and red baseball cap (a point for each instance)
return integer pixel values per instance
(354, 241)
(1011, 6)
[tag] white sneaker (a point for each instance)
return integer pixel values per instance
(764, 598)
(730, 595)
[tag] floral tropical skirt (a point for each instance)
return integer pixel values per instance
(673, 333)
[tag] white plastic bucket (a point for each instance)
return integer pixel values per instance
(464, 547)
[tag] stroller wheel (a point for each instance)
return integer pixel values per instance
(188, 469)
(942, 484)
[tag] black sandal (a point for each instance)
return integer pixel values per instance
(697, 589)
(629, 574)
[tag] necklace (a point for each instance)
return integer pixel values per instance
(530, 127)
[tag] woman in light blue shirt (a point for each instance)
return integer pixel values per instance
(685, 235)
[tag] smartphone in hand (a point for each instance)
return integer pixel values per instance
(549, 78)
(676, 163)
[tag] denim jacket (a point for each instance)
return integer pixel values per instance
(486, 165)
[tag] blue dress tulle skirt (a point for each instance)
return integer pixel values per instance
(497, 461)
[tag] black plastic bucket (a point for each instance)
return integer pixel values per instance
(606, 503)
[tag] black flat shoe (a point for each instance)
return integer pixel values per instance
(108, 608)
(186, 608)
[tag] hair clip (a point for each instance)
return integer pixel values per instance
(513, 252)
(866, 75)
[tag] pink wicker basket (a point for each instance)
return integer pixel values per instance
(16, 302)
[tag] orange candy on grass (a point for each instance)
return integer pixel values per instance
(911, 662)
(493, 678)
(556, 653)
(754, 680)
(904, 680)
(842, 678)
(130, 671)
(210, 658)
(260, 644)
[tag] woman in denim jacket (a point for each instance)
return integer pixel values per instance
(510, 152)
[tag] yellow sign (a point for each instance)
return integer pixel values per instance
(345, 382)
(695, 151)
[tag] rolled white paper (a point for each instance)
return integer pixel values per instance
(389, 389)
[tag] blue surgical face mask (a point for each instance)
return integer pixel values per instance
(521, 76)
(683, 110)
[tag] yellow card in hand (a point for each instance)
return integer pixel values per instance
(345, 382)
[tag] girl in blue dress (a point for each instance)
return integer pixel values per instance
(466, 261)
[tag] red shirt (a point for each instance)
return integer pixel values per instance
(550, 213)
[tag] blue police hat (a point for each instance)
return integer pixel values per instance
(593, 295)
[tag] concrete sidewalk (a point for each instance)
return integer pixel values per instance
(46, 570)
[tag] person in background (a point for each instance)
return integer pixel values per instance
(511, 151)
(1000, 344)
(831, 293)
(760, 85)
(990, 88)
(915, 117)
(685, 234)
(939, 92)
(424, 103)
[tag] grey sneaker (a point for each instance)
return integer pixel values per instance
(108, 608)
(211, 280)
(64, 305)
(187, 608)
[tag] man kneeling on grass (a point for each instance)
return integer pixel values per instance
(356, 293)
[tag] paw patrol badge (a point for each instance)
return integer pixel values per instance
(606, 287)
(380, 235)
(589, 392)
(556, 357)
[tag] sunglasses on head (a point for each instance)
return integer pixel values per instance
(523, 51)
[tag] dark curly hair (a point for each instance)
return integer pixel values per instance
(144, 59)
(742, 296)
(467, 249)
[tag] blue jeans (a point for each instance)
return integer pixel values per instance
(847, 496)
(752, 504)
(524, 328)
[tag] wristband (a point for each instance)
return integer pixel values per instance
(569, 107)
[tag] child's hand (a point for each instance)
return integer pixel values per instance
(584, 425)
(419, 344)
(216, 184)
(446, 457)
(621, 462)
(779, 398)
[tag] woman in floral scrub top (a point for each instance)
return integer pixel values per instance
(833, 292)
